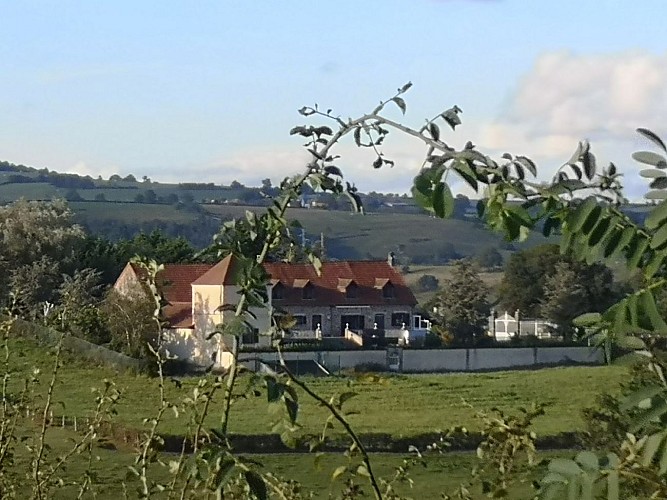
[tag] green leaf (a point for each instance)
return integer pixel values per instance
(652, 137)
(400, 102)
(650, 158)
(362, 470)
(652, 173)
(650, 309)
(340, 470)
(654, 264)
(592, 220)
(588, 460)
(292, 409)
(528, 164)
(256, 484)
(651, 447)
(658, 409)
(636, 250)
(587, 319)
(599, 231)
(274, 389)
(611, 243)
(357, 136)
(224, 474)
(626, 237)
(656, 195)
(588, 161)
(443, 200)
(451, 117)
(659, 239)
(629, 342)
(635, 398)
(578, 218)
(565, 467)
(657, 216)
(434, 130)
(613, 492)
(333, 170)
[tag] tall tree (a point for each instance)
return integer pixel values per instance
(565, 297)
(522, 286)
(462, 307)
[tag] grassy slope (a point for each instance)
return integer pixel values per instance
(415, 403)
(375, 235)
(130, 212)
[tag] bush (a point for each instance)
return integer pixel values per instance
(427, 283)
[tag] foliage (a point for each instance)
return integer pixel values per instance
(427, 283)
(489, 258)
(540, 281)
(130, 322)
(462, 305)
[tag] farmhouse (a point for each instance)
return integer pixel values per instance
(353, 299)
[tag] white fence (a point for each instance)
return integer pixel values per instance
(436, 360)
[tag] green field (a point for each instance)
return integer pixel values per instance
(399, 405)
(374, 235)
(130, 212)
(440, 473)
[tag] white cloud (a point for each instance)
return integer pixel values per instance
(568, 97)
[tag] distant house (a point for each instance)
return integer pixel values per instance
(506, 327)
(347, 299)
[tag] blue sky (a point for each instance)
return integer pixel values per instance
(207, 91)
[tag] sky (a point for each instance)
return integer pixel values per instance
(207, 91)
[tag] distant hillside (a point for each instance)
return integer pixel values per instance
(122, 207)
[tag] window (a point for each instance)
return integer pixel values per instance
(317, 321)
(388, 291)
(278, 292)
(300, 320)
(352, 291)
(400, 318)
(308, 292)
(251, 336)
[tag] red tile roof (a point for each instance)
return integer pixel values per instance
(224, 272)
(179, 314)
(329, 287)
(177, 279)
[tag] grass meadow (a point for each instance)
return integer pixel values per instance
(399, 405)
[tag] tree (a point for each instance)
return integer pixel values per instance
(150, 196)
(489, 258)
(462, 307)
(565, 298)
(130, 178)
(266, 184)
(130, 322)
(427, 283)
(522, 286)
(73, 195)
(77, 311)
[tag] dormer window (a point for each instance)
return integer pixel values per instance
(352, 291)
(386, 286)
(307, 288)
(308, 292)
(278, 291)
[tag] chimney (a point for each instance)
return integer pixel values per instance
(391, 259)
